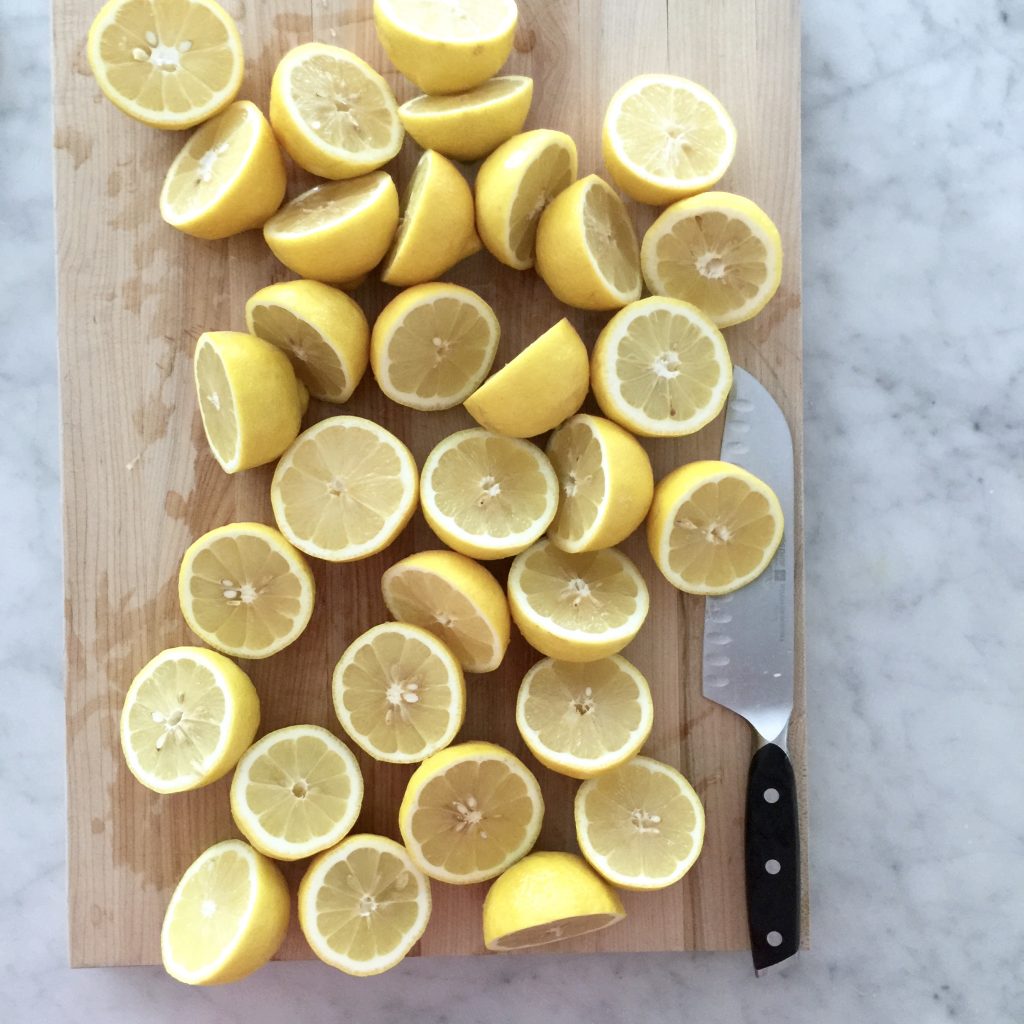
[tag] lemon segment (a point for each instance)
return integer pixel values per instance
(469, 125)
(432, 345)
(338, 231)
(514, 185)
(587, 252)
(245, 590)
(167, 63)
(713, 527)
(665, 138)
(542, 386)
(333, 113)
(661, 368)
(454, 598)
(576, 607)
(227, 916)
(641, 826)
(547, 897)
(469, 812)
(188, 716)
(717, 250)
(363, 905)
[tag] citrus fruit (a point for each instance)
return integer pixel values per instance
(640, 825)
(345, 489)
(665, 138)
(576, 607)
(713, 527)
(717, 250)
(333, 113)
(542, 386)
(469, 812)
(245, 590)
(454, 598)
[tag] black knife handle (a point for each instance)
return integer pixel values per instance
(773, 858)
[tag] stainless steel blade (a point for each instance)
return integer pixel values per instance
(748, 635)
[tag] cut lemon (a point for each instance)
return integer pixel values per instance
(486, 495)
(228, 177)
(713, 527)
(544, 385)
(547, 897)
(167, 63)
(582, 720)
(717, 250)
(344, 490)
(605, 484)
(576, 607)
(472, 124)
(248, 399)
(469, 812)
(446, 46)
(432, 345)
(436, 228)
(295, 792)
(187, 718)
(665, 138)
(227, 916)
(333, 113)
(641, 825)
(363, 905)
(587, 252)
(661, 368)
(513, 186)
(338, 231)
(322, 331)
(245, 590)
(454, 598)
(399, 693)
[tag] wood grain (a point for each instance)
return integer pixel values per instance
(139, 483)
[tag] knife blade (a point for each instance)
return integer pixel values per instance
(748, 668)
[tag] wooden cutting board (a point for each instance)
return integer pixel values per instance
(140, 484)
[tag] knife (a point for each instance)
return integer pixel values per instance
(748, 668)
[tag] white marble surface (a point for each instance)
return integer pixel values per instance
(914, 214)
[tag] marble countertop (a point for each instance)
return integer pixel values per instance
(914, 317)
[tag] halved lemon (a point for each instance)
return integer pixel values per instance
(513, 186)
(323, 332)
(469, 812)
(605, 484)
(227, 916)
(584, 719)
(486, 495)
(641, 825)
(547, 897)
(661, 368)
(187, 718)
(167, 63)
(363, 905)
(469, 125)
(248, 398)
(338, 231)
(399, 693)
(345, 489)
(295, 792)
(576, 607)
(665, 138)
(432, 345)
(454, 598)
(587, 252)
(245, 590)
(717, 250)
(713, 527)
(333, 113)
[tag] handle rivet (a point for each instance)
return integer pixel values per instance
(773, 867)
(774, 938)
(771, 796)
